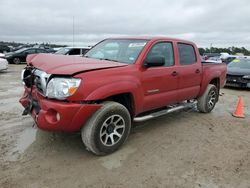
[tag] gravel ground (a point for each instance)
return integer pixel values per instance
(184, 149)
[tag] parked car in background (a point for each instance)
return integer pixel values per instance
(2, 55)
(76, 51)
(22, 46)
(19, 56)
(206, 56)
(224, 55)
(3, 64)
(215, 59)
(4, 48)
(229, 59)
(49, 50)
(238, 73)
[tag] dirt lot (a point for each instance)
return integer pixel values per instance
(184, 149)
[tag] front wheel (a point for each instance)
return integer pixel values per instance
(16, 60)
(208, 100)
(107, 129)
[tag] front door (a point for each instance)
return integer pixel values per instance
(160, 84)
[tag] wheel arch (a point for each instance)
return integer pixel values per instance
(126, 99)
(216, 82)
(126, 93)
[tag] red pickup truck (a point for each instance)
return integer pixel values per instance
(118, 81)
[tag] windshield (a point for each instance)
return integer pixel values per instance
(240, 63)
(62, 51)
(121, 50)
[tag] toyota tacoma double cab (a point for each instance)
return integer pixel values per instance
(117, 82)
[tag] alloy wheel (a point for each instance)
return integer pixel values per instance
(112, 130)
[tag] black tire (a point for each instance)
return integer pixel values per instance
(16, 61)
(208, 100)
(103, 122)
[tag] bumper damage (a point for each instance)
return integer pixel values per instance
(53, 115)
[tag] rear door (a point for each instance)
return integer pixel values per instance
(160, 84)
(189, 71)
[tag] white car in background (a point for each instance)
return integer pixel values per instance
(2, 55)
(215, 59)
(76, 51)
(3, 64)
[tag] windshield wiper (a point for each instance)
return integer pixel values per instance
(107, 59)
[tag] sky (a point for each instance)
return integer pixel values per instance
(220, 23)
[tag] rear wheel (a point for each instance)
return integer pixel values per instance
(107, 129)
(208, 100)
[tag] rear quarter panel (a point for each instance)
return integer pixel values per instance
(212, 71)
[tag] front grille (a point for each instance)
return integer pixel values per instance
(38, 84)
(236, 78)
(40, 81)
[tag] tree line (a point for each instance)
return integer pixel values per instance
(16, 44)
(231, 50)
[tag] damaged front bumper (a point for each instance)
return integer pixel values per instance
(53, 115)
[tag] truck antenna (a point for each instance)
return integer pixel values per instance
(73, 31)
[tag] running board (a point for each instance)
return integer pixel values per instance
(165, 111)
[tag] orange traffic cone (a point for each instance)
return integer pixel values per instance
(239, 110)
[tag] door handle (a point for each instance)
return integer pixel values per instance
(174, 73)
(197, 71)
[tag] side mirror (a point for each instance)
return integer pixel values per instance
(154, 61)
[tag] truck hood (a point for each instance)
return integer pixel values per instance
(68, 65)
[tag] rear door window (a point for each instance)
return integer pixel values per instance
(187, 54)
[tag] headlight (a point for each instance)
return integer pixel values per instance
(246, 76)
(61, 88)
